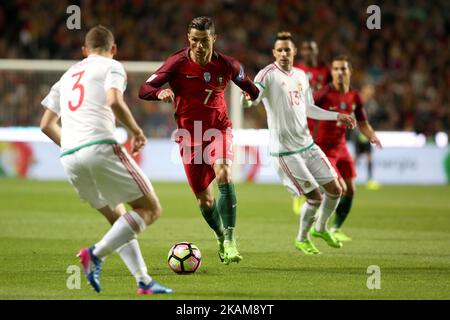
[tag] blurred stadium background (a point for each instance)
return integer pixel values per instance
(403, 70)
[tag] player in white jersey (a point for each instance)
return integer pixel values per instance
(88, 98)
(301, 165)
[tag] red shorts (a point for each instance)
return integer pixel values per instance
(342, 161)
(199, 160)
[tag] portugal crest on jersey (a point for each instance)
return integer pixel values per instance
(343, 106)
(207, 76)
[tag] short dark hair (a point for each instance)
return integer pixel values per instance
(284, 35)
(202, 24)
(99, 38)
(343, 57)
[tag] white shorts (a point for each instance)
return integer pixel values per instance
(303, 172)
(105, 175)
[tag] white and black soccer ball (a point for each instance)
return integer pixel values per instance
(184, 257)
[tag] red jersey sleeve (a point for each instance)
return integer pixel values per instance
(151, 88)
(360, 112)
(241, 79)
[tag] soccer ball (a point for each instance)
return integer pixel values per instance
(184, 257)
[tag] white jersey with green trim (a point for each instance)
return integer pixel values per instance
(285, 96)
(79, 98)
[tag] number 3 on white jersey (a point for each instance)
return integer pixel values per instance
(80, 87)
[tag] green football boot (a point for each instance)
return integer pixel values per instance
(221, 251)
(231, 253)
(327, 236)
(306, 246)
(339, 235)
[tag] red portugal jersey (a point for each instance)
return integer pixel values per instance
(331, 134)
(199, 90)
(318, 76)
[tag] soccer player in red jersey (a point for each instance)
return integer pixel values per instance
(319, 75)
(198, 76)
(330, 136)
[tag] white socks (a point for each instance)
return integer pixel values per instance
(329, 204)
(123, 230)
(307, 213)
(132, 256)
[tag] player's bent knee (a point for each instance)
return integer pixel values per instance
(337, 191)
(206, 203)
(223, 173)
(110, 215)
(343, 189)
(314, 195)
(148, 207)
(156, 213)
(151, 215)
(224, 177)
(333, 188)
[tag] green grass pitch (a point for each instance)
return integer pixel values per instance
(405, 230)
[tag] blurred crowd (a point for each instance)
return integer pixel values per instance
(403, 69)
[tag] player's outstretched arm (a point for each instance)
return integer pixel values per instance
(315, 112)
(151, 90)
(246, 99)
(367, 130)
(114, 98)
(241, 79)
(247, 85)
(49, 126)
